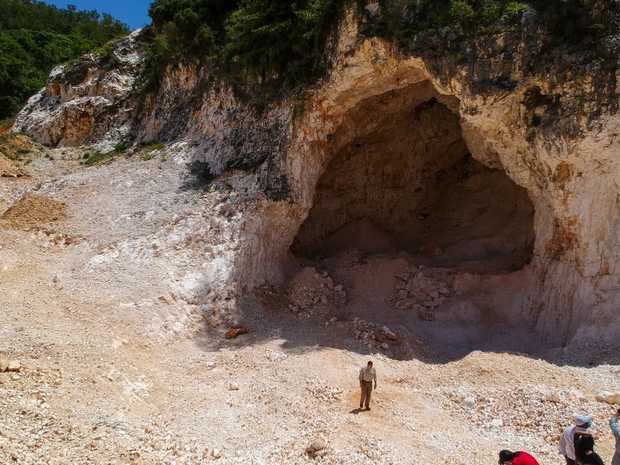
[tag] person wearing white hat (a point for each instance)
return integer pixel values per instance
(567, 441)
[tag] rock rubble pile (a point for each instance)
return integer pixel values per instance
(535, 410)
(314, 293)
(423, 291)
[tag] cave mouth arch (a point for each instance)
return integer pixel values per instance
(407, 236)
(406, 183)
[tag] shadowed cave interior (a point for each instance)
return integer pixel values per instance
(411, 185)
(421, 237)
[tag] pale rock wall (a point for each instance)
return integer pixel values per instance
(272, 161)
(573, 182)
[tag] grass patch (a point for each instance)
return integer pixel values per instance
(121, 147)
(98, 158)
(152, 146)
(147, 149)
(16, 147)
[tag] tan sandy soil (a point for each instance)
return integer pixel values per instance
(118, 368)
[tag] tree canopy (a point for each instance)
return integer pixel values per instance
(34, 37)
(286, 40)
(264, 37)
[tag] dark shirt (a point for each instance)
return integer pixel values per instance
(584, 450)
(592, 459)
(583, 443)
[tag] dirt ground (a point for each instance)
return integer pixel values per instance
(117, 366)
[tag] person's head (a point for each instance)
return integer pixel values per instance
(583, 423)
(369, 364)
(505, 457)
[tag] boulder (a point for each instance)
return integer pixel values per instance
(14, 366)
(317, 448)
(4, 362)
(236, 331)
(608, 397)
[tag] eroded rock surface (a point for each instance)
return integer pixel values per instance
(542, 143)
(89, 101)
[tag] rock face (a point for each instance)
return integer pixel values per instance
(532, 148)
(89, 101)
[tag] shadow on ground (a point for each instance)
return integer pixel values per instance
(429, 342)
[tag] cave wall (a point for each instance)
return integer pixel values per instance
(552, 131)
(571, 179)
(412, 180)
(383, 176)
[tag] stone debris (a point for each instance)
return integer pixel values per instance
(274, 356)
(313, 293)
(374, 335)
(533, 409)
(321, 390)
(423, 291)
(33, 211)
(317, 448)
(612, 398)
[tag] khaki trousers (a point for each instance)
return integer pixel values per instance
(366, 387)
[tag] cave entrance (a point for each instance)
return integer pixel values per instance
(410, 185)
(407, 228)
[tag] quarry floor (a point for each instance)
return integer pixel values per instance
(119, 368)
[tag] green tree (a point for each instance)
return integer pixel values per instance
(35, 36)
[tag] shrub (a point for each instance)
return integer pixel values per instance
(462, 13)
(152, 146)
(514, 11)
(120, 147)
(98, 158)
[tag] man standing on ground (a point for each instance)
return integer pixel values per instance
(567, 441)
(367, 376)
(615, 428)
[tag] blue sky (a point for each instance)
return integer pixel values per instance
(131, 12)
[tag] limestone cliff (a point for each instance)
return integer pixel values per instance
(501, 116)
(89, 101)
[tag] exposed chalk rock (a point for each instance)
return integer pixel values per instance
(609, 397)
(424, 153)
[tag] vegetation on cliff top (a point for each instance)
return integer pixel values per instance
(35, 36)
(286, 42)
(566, 21)
(266, 39)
